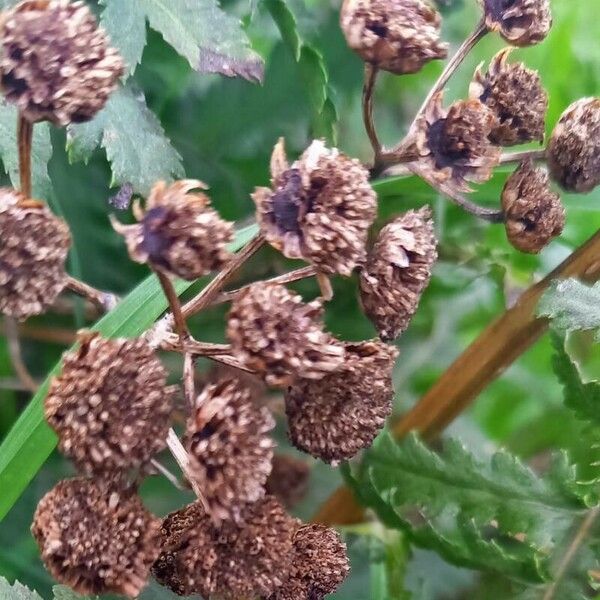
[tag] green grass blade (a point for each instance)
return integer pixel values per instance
(30, 441)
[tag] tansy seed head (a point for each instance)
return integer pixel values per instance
(33, 252)
(395, 35)
(110, 405)
(533, 212)
(319, 209)
(574, 148)
(96, 539)
(56, 64)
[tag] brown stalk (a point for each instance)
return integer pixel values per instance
(103, 301)
(11, 328)
(178, 318)
(514, 157)
(371, 73)
(24, 140)
(495, 349)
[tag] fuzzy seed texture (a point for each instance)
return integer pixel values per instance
(519, 22)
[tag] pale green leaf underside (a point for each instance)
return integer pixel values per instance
(16, 591)
(136, 145)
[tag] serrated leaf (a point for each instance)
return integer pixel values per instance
(30, 441)
(311, 66)
(40, 154)
(209, 38)
(64, 593)
(136, 145)
(16, 591)
(494, 514)
(572, 305)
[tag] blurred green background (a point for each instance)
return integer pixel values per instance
(225, 130)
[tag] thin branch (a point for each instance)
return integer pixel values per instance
(103, 301)
(207, 296)
(24, 140)
(230, 361)
(192, 346)
(371, 73)
(11, 328)
(325, 286)
(516, 157)
(160, 468)
(189, 387)
(580, 536)
(179, 320)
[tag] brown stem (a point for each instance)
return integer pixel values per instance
(189, 387)
(104, 301)
(210, 292)
(371, 73)
(24, 140)
(174, 304)
(495, 349)
(325, 286)
(516, 157)
(230, 361)
(11, 328)
(580, 536)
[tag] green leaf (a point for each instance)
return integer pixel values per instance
(572, 305)
(494, 514)
(64, 593)
(30, 441)
(209, 38)
(136, 146)
(312, 69)
(17, 591)
(40, 154)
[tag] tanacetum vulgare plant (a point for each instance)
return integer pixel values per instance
(118, 399)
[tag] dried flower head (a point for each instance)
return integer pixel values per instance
(397, 271)
(534, 214)
(400, 36)
(519, 22)
(319, 209)
(455, 143)
(319, 565)
(516, 96)
(574, 148)
(96, 539)
(275, 333)
(56, 64)
(33, 253)
(229, 447)
(110, 405)
(179, 233)
(335, 417)
(188, 552)
(288, 480)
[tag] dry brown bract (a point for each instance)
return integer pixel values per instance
(95, 539)
(319, 565)
(319, 209)
(400, 36)
(280, 337)
(534, 214)
(516, 96)
(229, 447)
(334, 418)
(110, 405)
(179, 233)
(397, 272)
(574, 148)
(288, 480)
(455, 143)
(56, 64)
(519, 22)
(33, 252)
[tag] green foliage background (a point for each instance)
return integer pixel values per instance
(223, 130)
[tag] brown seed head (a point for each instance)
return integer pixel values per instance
(455, 144)
(319, 565)
(516, 96)
(319, 209)
(335, 417)
(179, 233)
(275, 333)
(519, 22)
(110, 405)
(574, 148)
(534, 214)
(56, 64)
(96, 539)
(229, 447)
(397, 272)
(288, 480)
(33, 253)
(400, 36)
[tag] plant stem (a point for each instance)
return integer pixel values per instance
(580, 536)
(207, 296)
(179, 320)
(24, 140)
(104, 301)
(11, 328)
(515, 157)
(160, 468)
(189, 387)
(230, 361)
(371, 73)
